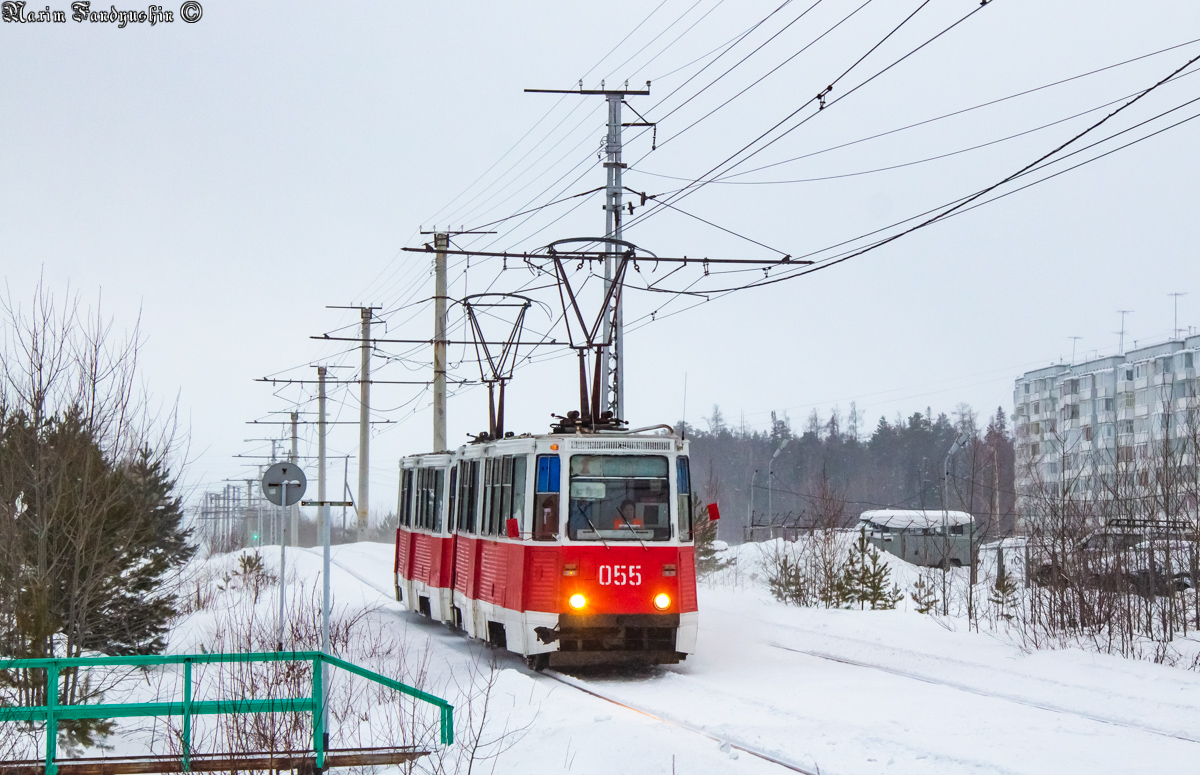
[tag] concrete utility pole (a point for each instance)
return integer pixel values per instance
(770, 483)
(247, 526)
(1123, 313)
(960, 441)
(321, 372)
(1176, 330)
(295, 508)
(613, 396)
(441, 242)
(364, 420)
(750, 508)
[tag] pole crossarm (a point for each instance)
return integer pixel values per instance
(359, 381)
(309, 422)
(326, 337)
(599, 256)
(616, 92)
(53, 712)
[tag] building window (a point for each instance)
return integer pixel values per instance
(1074, 411)
(1087, 433)
(1036, 428)
(1129, 400)
(1037, 407)
(1108, 404)
(1026, 388)
(1128, 375)
(1033, 449)
(1187, 360)
(1127, 426)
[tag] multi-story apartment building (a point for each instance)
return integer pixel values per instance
(1104, 429)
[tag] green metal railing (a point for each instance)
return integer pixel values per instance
(52, 711)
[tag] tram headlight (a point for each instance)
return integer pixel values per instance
(662, 601)
(577, 601)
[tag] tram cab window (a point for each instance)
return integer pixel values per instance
(545, 503)
(683, 479)
(468, 496)
(405, 506)
(503, 493)
(619, 498)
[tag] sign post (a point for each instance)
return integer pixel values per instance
(323, 510)
(283, 484)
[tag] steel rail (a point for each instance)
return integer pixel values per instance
(743, 747)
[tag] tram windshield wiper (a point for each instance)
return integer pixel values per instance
(589, 521)
(633, 530)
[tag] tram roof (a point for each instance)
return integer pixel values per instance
(604, 442)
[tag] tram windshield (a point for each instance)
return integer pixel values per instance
(619, 498)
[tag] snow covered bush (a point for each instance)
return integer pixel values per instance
(866, 579)
(241, 617)
(807, 571)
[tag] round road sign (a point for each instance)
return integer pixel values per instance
(284, 484)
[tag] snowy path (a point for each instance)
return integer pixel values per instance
(839, 691)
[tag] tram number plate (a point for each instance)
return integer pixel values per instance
(620, 575)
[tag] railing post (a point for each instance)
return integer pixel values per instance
(318, 716)
(51, 719)
(447, 724)
(187, 715)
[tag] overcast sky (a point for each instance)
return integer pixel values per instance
(231, 178)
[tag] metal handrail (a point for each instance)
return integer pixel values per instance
(51, 712)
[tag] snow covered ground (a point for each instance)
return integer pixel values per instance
(777, 689)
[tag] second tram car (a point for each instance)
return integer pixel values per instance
(570, 549)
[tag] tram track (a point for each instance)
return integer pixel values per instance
(745, 748)
(580, 686)
(981, 693)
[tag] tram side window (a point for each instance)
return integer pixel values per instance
(429, 483)
(453, 502)
(683, 476)
(545, 504)
(503, 492)
(518, 492)
(418, 498)
(468, 497)
(405, 511)
(439, 489)
(491, 496)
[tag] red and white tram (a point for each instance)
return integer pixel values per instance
(567, 548)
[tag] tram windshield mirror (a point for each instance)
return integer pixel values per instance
(619, 498)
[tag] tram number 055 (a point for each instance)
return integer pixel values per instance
(620, 575)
